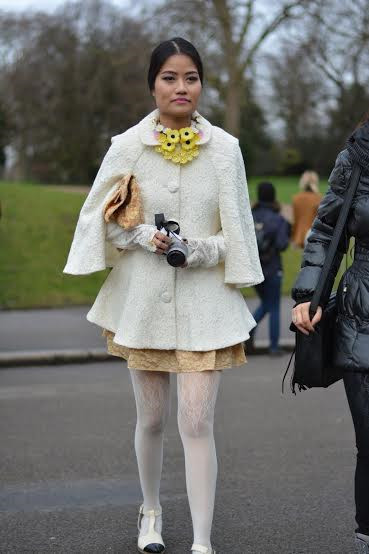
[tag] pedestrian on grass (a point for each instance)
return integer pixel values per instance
(304, 207)
(272, 234)
(351, 346)
(189, 320)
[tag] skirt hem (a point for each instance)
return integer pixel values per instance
(177, 361)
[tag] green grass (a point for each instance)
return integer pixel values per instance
(286, 187)
(36, 230)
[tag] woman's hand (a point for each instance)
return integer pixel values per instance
(301, 317)
(161, 242)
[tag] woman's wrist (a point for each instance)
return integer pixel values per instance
(145, 236)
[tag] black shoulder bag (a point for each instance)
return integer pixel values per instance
(314, 365)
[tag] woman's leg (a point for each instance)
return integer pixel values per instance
(197, 394)
(357, 390)
(261, 310)
(273, 302)
(152, 394)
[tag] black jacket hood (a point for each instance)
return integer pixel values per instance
(358, 145)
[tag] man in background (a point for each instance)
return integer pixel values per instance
(272, 234)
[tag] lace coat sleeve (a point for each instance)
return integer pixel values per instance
(141, 235)
(242, 264)
(90, 251)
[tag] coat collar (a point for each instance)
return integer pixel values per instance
(358, 145)
(147, 124)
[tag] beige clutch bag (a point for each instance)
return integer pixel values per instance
(125, 206)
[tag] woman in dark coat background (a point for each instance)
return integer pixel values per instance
(352, 327)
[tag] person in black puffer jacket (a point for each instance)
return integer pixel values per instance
(272, 234)
(352, 331)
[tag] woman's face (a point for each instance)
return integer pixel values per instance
(177, 87)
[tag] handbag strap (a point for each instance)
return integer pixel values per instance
(340, 225)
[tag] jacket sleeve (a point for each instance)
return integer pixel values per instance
(206, 252)
(242, 263)
(141, 235)
(90, 251)
(319, 240)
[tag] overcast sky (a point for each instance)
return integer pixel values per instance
(45, 5)
(20, 5)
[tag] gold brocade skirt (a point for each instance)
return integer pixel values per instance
(176, 361)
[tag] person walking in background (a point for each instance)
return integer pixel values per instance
(164, 311)
(272, 235)
(304, 207)
(351, 344)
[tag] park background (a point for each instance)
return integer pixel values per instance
(288, 78)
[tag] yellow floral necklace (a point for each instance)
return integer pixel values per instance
(180, 146)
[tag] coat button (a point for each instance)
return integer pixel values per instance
(166, 297)
(173, 187)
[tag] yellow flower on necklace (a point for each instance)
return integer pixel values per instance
(168, 146)
(186, 134)
(190, 144)
(179, 146)
(176, 157)
(173, 135)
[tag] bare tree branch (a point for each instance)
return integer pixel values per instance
(284, 14)
(224, 16)
(249, 16)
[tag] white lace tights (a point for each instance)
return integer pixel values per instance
(197, 393)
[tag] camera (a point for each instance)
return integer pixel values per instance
(178, 250)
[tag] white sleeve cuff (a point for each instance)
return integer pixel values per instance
(141, 235)
(206, 252)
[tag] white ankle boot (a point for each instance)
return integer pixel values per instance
(202, 549)
(151, 541)
(362, 543)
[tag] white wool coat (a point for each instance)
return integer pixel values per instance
(144, 301)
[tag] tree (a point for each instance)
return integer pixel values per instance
(297, 91)
(70, 81)
(240, 29)
(338, 46)
(338, 41)
(255, 143)
(4, 133)
(299, 102)
(351, 103)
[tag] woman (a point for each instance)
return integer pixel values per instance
(189, 320)
(352, 331)
(305, 206)
(272, 235)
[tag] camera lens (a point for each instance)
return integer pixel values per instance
(176, 258)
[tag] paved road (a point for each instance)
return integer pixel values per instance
(67, 328)
(69, 478)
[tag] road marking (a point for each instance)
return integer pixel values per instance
(83, 494)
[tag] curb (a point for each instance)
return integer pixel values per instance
(53, 357)
(288, 344)
(72, 356)
(261, 347)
